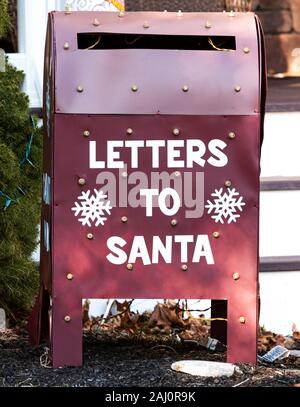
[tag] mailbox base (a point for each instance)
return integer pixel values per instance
(65, 333)
(219, 328)
(242, 337)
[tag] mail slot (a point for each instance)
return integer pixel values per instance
(153, 127)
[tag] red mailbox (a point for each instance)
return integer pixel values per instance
(153, 127)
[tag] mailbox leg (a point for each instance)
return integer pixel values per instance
(219, 328)
(66, 331)
(242, 331)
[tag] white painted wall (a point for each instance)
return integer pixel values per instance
(280, 301)
(280, 223)
(280, 150)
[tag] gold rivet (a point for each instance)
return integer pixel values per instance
(90, 236)
(176, 132)
(129, 131)
(242, 320)
(81, 181)
(67, 318)
(96, 22)
(228, 183)
(216, 235)
(66, 45)
(86, 133)
(121, 14)
(237, 88)
(124, 219)
(179, 13)
(70, 276)
(134, 88)
(124, 174)
(174, 222)
(129, 266)
(177, 174)
(146, 24)
(185, 88)
(246, 50)
(184, 267)
(236, 276)
(79, 88)
(208, 24)
(68, 9)
(231, 135)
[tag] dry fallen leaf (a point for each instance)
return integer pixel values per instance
(165, 317)
(296, 332)
(266, 341)
(196, 329)
(85, 310)
(85, 315)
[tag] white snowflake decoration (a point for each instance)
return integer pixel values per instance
(225, 205)
(92, 208)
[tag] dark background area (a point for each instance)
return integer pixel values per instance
(10, 43)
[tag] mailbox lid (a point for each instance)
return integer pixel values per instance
(107, 75)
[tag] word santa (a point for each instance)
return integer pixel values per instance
(161, 249)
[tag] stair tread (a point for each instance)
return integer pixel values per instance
(283, 95)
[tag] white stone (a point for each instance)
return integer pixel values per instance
(203, 368)
(2, 320)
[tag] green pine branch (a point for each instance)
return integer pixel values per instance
(4, 18)
(20, 139)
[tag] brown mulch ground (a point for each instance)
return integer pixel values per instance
(124, 362)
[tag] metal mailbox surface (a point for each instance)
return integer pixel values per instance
(151, 169)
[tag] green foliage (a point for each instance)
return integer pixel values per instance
(4, 18)
(18, 222)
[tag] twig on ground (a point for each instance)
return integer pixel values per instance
(164, 346)
(239, 384)
(24, 381)
(282, 381)
(45, 361)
